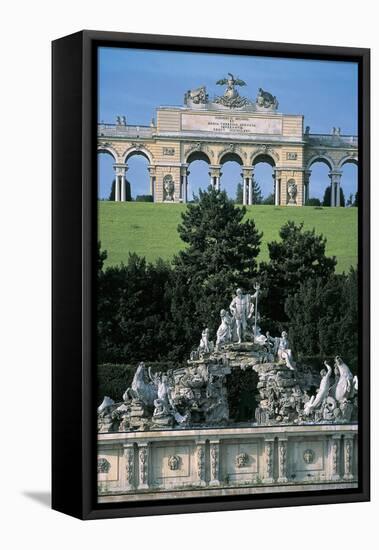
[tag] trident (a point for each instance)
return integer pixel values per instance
(257, 286)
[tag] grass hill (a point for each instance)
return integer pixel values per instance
(150, 230)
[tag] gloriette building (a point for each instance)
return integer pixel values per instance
(227, 127)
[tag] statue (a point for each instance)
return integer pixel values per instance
(106, 405)
(316, 401)
(266, 100)
(217, 408)
(292, 192)
(168, 188)
(241, 308)
(284, 353)
(197, 96)
(347, 385)
(231, 97)
(204, 346)
(141, 389)
(224, 331)
(272, 343)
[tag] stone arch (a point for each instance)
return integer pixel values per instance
(264, 154)
(264, 175)
(321, 157)
(137, 149)
(348, 159)
(198, 151)
(197, 155)
(230, 157)
(107, 149)
(231, 153)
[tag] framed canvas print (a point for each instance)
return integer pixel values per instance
(210, 274)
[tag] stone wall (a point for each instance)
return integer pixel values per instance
(160, 464)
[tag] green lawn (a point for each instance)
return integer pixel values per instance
(150, 229)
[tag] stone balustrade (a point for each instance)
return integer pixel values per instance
(202, 462)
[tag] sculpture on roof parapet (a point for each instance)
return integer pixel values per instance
(198, 98)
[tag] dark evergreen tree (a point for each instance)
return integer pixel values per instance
(299, 256)
(133, 315)
(144, 198)
(128, 194)
(101, 257)
(239, 194)
(313, 201)
(327, 197)
(220, 256)
(323, 317)
(257, 193)
(270, 199)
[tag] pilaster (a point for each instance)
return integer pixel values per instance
(214, 459)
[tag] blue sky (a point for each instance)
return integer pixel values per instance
(135, 82)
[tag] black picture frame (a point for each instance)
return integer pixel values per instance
(74, 86)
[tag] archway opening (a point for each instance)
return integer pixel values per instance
(198, 174)
(138, 177)
(349, 182)
(263, 180)
(231, 176)
(105, 175)
(319, 183)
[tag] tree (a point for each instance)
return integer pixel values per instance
(256, 192)
(133, 322)
(299, 256)
(313, 201)
(220, 256)
(144, 198)
(101, 257)
(270, 199)
(128, 195)
(239, 194)
(323, 317)
(327, 196)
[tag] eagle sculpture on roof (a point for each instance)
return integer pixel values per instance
(231, 81)
(231, 97)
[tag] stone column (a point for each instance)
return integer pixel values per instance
(247, 179)
(307, 175)
(129, 466)
(244, 191)
(215, 175)
(334, 457)
(335, 179)
(200, 463)
(123, 183)
(277, 188)
(184, 173)
(282, 460)
(214, 452)
(117, 188)
(143, 466)
(120, 189)
(338, 184)
(268, 460)
(348, 457)
(152, 181)
(249, 183)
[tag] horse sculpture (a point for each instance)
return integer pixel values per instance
(140, 389)
(347, 385)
